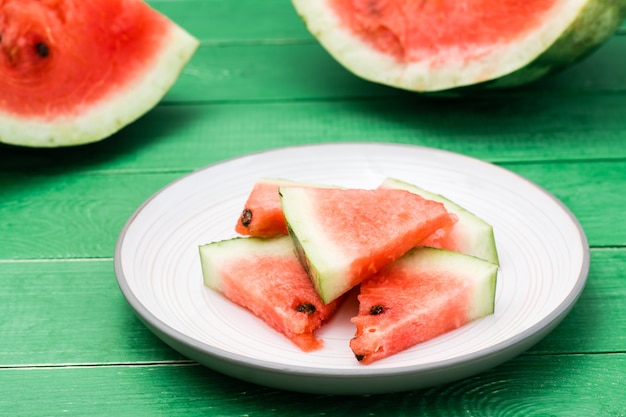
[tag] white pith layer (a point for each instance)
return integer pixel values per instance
(330, 260)
(214, 255)
(109, 115)
(494, 61)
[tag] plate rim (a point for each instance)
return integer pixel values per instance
(499, 352)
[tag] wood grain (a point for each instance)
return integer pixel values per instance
(72, 313)
(572, 385)
(70, 215)
(61, 313)
(218, 22)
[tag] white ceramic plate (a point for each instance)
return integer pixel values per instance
(543, 253)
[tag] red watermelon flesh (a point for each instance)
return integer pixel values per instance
(426, 293)
(75, 71)
(266, 277)
(262, 215)
(439, 45)
(419, 30)
(470, 234)
(344, 236)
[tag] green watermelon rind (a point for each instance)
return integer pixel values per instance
(121, 107)
(598, 20)
(474, 234)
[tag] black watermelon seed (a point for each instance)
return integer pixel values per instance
(246, 217)
(376, 309)
(305, 308)
(42, 49)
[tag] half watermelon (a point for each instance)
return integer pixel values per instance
(343, 236)
(445, 44)
(266, 277)
(76, 71)
(426, 293)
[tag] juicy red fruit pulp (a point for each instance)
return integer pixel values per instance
(278, 290)
(411, 30)
(58, 55)
(399, 308)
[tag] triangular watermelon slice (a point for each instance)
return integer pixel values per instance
(470, 234)
(266, 277)
(262, 214)
(344, 236)
(426, 293)
(76, 71)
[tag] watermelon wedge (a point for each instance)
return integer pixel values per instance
(343, 236)
(76, 71)
(266, 277)
(444, 44)
(426, 293)
(470, 234)
(262, 215)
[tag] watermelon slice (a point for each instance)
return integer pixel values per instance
(266, 277)
(445, 44)
(76, 71)
(426, 293)
(262, 215)
(469, 234)
(345, 235)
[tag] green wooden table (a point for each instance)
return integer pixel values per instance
(71, 345)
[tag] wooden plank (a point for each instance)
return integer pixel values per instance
(306, 71)
(574, 385)
(497, 129)
(65, 313)
(244, 21)
(597, 183)
(73, 215)
(70, 215)
(597, 322)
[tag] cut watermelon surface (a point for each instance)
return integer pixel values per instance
(74, 71)
(444, 44)
(343, 236)
(469, 234)
(266, 277)
(262, 215)
(426, 293)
